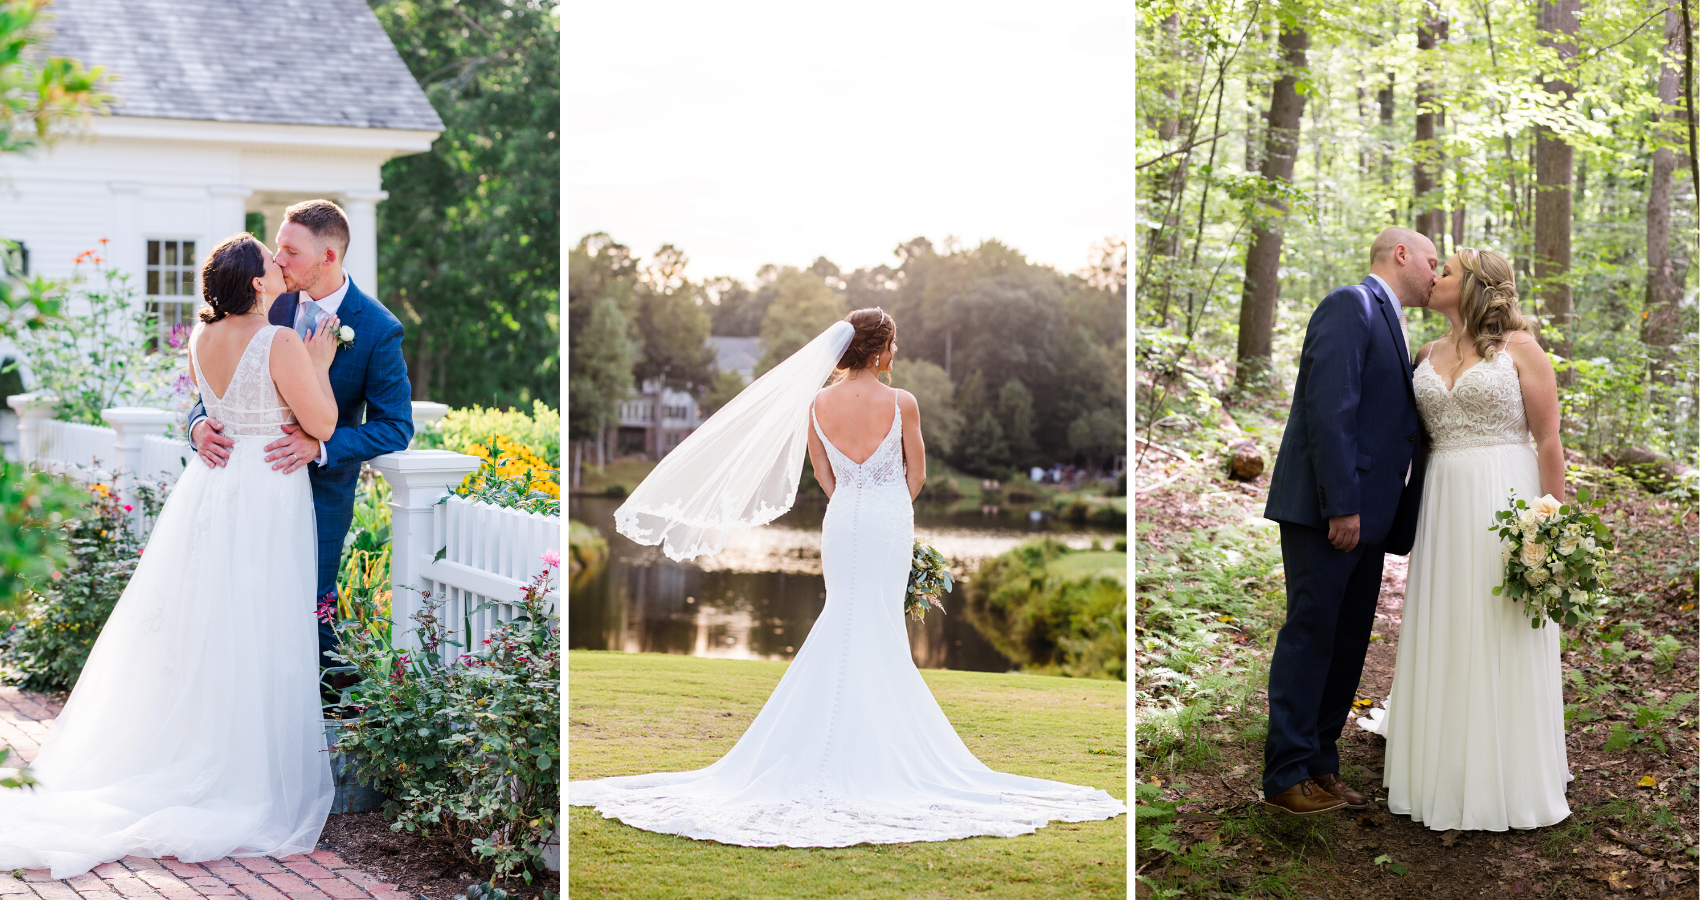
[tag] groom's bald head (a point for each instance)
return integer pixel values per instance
(1407, 262)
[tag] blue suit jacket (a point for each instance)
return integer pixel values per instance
(1354, 426)
(374, 413)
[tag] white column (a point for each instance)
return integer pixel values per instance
(362, 262)
(226, 212)
(33, 409)
(128, 249)
(426, 413)
(132, 423)
(418, 479)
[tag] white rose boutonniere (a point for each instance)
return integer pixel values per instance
(344, 337)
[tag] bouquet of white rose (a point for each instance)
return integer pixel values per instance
(1554, 554)
(929, 577)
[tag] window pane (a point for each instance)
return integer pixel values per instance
(171, 253)
(153, 276)
(188, 253)
(153, 253)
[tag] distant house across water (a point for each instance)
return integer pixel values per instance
(655, 418)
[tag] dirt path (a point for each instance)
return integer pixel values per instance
(1352, 855)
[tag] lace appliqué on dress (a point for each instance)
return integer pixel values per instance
(883, 469)
(1484, 408)
(250, 406)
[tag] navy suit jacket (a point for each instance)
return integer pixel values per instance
(1354, 425)
(374, 408)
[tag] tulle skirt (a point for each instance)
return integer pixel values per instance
(1475, 720)
(195, 729)
(851, 747)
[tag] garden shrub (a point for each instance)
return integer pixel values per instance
(1046, 623)
(32, 505)
(469, 749)
(513, 477)
(539, 433)
(46, 649)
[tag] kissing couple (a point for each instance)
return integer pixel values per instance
(1386, 454)
(195, 729)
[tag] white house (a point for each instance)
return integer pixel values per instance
(228, 111)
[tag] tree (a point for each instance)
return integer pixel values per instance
(1430, 218)
(468, 252)
(802, 307)
(673, 325)
(1263, 260)
(600, 278)
(1015, 415)
(935, 395)
(1661, 315)
(1554, 170)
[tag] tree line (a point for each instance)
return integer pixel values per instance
(1276, 138)
(1014, 364)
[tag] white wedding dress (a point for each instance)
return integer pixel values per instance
(195, 729)
(1475, 719)
(851, 747)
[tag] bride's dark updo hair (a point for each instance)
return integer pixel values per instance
(227, 277)
(874, 331)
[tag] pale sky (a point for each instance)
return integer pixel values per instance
(748, 133)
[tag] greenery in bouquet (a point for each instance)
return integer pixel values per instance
(46, 649)
(109, 354)
(1554, 557)
(929, 579)
(512, 476)
(467, 747)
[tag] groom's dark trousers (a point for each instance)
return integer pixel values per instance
(374, 401)
(1352, 434)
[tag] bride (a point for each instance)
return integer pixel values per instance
(195, 730)
(1475, 740)
(851, 747)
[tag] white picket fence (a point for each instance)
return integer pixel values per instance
(488, 553)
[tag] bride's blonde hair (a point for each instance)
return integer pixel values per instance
(1487, 301)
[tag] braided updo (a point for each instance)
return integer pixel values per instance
(227, 277)
(1487, 301)
(874, 332)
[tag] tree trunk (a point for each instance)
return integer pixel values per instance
(1168, 126)
(1661, 317)
(1263, 260)
(1384, 98)
(1554, 165)
(1430, 218)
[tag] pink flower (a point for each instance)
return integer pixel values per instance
(551, 558)
(127, 507)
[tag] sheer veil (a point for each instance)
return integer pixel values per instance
(740, 468)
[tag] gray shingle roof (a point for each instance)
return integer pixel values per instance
(292, 62)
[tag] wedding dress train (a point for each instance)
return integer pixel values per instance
(851, 747)
(195, 729)
(1475, 719)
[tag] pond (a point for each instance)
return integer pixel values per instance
(758, 597)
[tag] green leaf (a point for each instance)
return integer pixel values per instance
(1397, 869)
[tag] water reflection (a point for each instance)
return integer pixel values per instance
(758, 598)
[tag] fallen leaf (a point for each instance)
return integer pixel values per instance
(1647, 781)
(1397, 869)
(1518, 887)
(1450, 838)
(1383, 858)
(1624, 881)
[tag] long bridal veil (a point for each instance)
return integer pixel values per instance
(740, 468)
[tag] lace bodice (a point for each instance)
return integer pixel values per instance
(250, 406)
(1483, 409)
(883, 469)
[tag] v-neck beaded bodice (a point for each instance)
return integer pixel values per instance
(1483, 408)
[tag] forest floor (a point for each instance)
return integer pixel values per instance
(633, 713)
(1210, 600)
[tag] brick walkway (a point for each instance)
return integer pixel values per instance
(24, 718)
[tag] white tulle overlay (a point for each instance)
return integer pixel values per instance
(1475, 736)
(195, 729)
(851, 747)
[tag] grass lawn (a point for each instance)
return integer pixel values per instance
(1090, 562)
(636, 713)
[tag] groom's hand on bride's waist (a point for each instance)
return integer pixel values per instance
(1343, 532)
(210, 443)
(292, 451)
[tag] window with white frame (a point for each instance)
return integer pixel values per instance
(171, 284)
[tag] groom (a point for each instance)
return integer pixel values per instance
(1345, 491)
(368, 377)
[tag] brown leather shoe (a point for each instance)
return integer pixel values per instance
(1306, 798)
(1333, 785)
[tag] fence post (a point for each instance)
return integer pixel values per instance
(32, 409)
(132, 423)
(418, 479)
